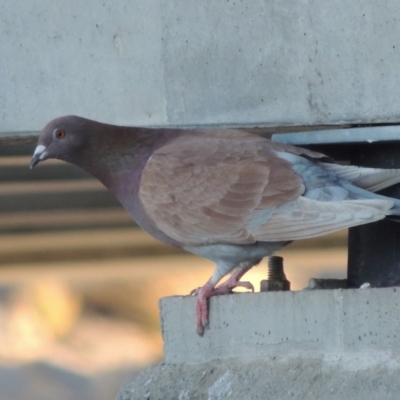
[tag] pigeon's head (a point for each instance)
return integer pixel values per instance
(61, 138)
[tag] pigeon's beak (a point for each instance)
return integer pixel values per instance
(38, 155)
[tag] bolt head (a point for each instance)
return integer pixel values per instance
(274, 285)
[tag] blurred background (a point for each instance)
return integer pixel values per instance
(80, 283)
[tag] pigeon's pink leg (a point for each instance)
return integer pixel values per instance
(209, 290)
(203, 294)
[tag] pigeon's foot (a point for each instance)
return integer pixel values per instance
(205, 292)
(231, 283)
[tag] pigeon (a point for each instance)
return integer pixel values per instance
(223, 194)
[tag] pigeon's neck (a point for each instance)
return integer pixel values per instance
(118, 159)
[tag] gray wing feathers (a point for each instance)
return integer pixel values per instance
(305, 218)
(372, 179)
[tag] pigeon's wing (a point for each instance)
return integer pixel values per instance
(305, 218)
(207, 189)
(203, 190)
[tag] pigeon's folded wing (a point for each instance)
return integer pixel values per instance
(201, 190)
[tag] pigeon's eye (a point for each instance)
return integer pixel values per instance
(60, 134)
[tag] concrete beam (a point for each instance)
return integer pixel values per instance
(254, 325)
(190, 62)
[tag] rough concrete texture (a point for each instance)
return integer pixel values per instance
(322, 344)
(369, 134)
(285, 375)
(255, 324)
(190, 62)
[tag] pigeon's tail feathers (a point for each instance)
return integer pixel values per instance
(358, 193)
(305, 218)
(364, 182)
(371, 179)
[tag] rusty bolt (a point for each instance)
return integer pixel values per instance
(276, 276)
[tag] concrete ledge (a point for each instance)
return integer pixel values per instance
(320, 344)
(259, 324)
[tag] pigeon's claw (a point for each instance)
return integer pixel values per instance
(208, 290)
(227, 287)
(195, 292)
(233, 282)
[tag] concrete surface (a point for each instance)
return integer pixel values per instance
(283, 376)
(185, 62)
(336, 344)
(256, 324)
(371, 134)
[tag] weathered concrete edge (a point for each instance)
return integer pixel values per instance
(254, 325)
(331, 136)
(299, 375)
(6, 136)
(18, 137)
